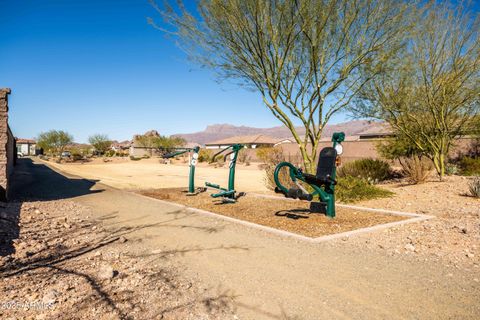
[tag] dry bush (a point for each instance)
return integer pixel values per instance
(470, 166)
(205, 155)
(416, 169)
(474, 187)
(372, 170)
(243, 157)
(271, 157)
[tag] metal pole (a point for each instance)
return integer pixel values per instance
(193, 163)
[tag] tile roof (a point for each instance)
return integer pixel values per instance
(254, 139)
(20, 140)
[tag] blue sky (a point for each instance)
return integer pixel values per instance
(96, 66)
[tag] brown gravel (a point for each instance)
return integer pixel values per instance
(286, 215)
(65, 265)
(452, 238)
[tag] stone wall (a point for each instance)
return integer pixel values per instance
(7, 146)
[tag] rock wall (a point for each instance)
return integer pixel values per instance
(7, 146)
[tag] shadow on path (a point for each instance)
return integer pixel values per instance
(33, 181)
(37, 182)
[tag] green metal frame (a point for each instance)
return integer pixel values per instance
(325, 194)
(193, 163)
(229, 194)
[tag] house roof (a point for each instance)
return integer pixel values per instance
(381, 129)
(20, 140)
(255, 139)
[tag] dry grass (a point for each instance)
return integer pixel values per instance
(286, 215)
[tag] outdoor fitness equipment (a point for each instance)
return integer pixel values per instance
(323, 183)
(228, 195)
(193, 162)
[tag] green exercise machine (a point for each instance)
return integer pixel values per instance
(322, 184)
(228, 195)
(193, 157)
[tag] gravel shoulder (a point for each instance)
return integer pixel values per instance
(66, 265)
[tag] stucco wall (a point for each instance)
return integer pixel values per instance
(354, 150)
(7, 146)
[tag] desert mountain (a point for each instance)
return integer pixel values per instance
(222, 131)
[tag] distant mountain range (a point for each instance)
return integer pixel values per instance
(221, 131)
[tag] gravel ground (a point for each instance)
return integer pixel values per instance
(65, 265)
(452, 238)
(286, 215)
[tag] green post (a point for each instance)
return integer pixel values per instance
(231, 177)
(337, 138)
(193, 163)
(227, 193)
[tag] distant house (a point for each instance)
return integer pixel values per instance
(252, 142)
(26, 146)
(380, 131)
(121, 146)
(142, 145)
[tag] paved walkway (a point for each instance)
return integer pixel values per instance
(268, 276)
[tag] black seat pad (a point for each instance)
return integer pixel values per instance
(325, 167)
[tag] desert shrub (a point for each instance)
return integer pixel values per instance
(470, 166)
(205, 155)
(219, 162)
(263, 154)
(76, 156)
(416, 169)
(474, 187)
(243, 156)
(451, 169)
(271, 157)
(372, 170)
(353, 189)
(110, 153)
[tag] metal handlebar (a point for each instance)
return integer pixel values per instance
(178, 152)
(218, 153)
(174, 154)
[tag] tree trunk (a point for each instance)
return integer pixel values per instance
(439, 163)
(308, 163)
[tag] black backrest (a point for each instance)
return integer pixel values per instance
(326, 162)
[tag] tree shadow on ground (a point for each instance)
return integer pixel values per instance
(66, 259)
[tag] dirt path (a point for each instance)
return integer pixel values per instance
(270, 277)
(150, 173)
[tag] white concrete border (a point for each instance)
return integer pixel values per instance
(414, 217)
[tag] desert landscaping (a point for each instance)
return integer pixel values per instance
(453, 237)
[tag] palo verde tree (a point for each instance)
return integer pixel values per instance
(303, 57)
(54, 141)
(100, 142)
(430, 94)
